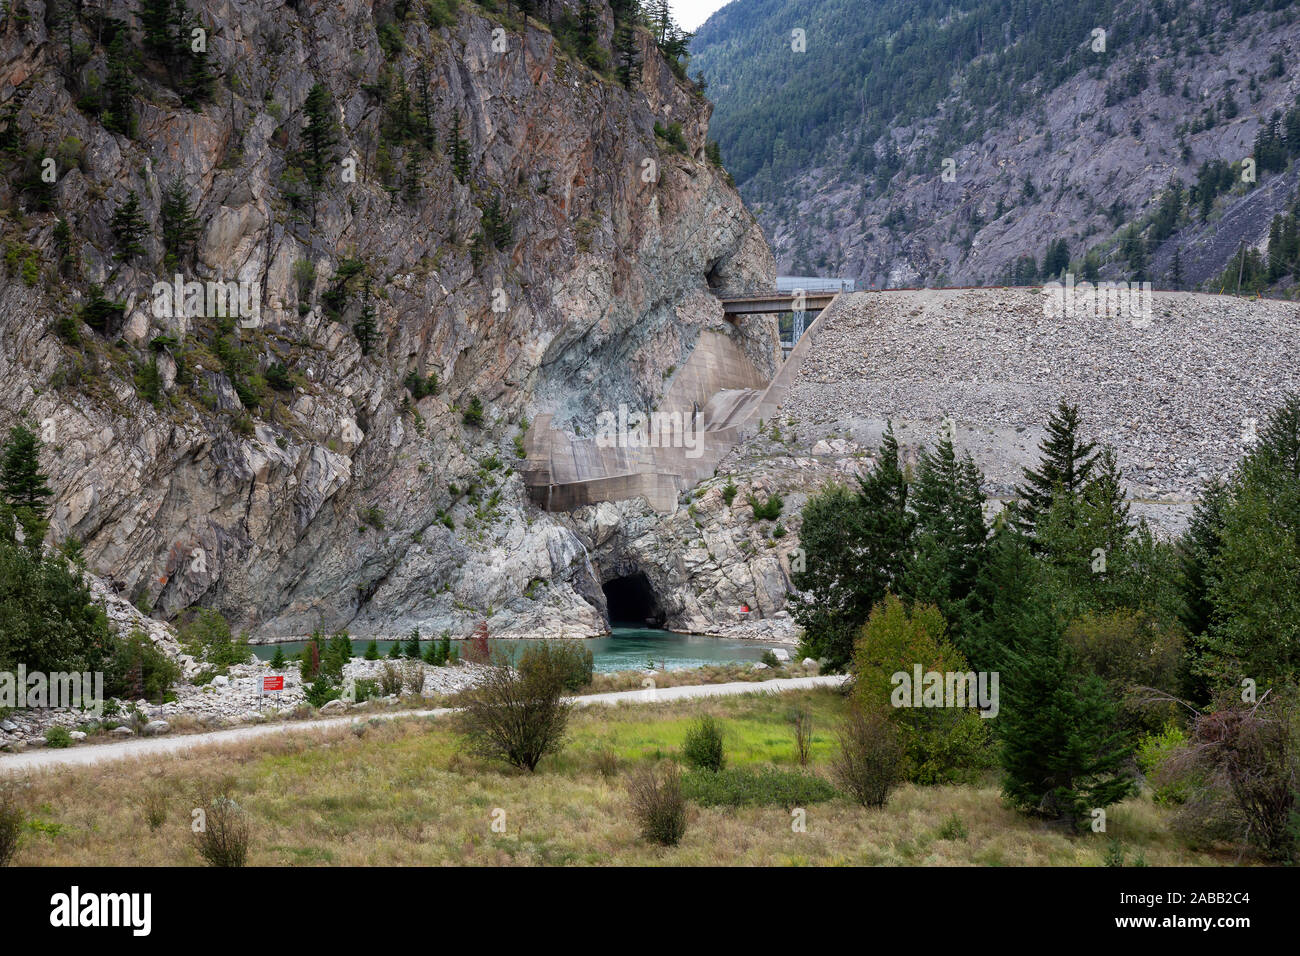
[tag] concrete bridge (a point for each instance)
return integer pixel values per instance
(775, 302)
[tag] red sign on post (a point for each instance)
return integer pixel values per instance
(272, 683)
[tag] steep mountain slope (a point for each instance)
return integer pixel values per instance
(841, 149)
(445, 226)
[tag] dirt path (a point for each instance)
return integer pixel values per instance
(155, 746)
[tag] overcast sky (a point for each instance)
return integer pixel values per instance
(691, 13)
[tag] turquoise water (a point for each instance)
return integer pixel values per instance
(627, 648)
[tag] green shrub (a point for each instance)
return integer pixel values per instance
(703, 748)
(953, 829)
(207, 638)
(365, 688)
(572, 664)
(515, 715)
(1153, 752)
(224, 836)
(768, 510)
(139, 669)
(729, 491)
(870, 757)
(473, 415)
(390, 680)
(659, 804)
(58, 737)
(321, 691)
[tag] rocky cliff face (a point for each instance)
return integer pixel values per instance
(267, 466)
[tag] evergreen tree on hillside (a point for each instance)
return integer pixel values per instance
(24, 486)
(365, 326)
(1005, 597)
(458, 147)
(1253, 578)
(320, 135)
(411, 649)
(857, 544)
(950, 534)
(120, 86)
(129, 228)
(156, 24)
(1066, 466)
(180, 228)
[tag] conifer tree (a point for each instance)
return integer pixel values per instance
(156, 23)
(1062, 753)
(459, 148)
(129, 228)
(320, 135)
(1253, 579)
(372, 651)
(277, 659)
(395, 652)
(121, 87)
(364, 328)
(1066, 467)
(950, 535)
(180, 228)
(412, 647)
(857, 543)
(23, 485)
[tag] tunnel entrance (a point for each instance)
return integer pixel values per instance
(631, 601)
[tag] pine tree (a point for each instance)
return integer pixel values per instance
(198, 80)
(1253, 579)
(625, 51)
(395, 652)
(1198, 548)
(1062, 754)
(412, 647)
(129, 228)
(459, 151)
(365, 327)
(23, 485)
(1001, 603)
(121, 87)
(1065, 468)
(950, 536)
(320, 134)
(180, 228)
(372, 651)
(156, 23)
(860, 541)
(277, 659)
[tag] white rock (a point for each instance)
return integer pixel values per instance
(809, 662)
(122, 732)
(220, 681)
(333, 706)
(781, 654)
(155, 727)
(77, 735)
(760, 666)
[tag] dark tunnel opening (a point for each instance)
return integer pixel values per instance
(631, 602)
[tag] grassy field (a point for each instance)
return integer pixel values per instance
(402, 792)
